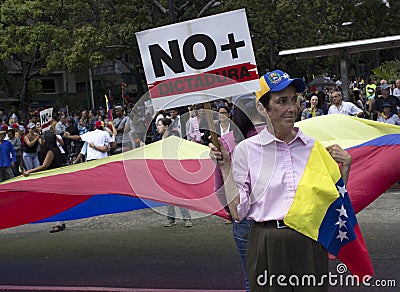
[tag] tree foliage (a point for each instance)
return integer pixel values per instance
(41, 36)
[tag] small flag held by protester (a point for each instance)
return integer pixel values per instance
(109, 109)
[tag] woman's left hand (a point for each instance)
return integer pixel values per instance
(339, 155)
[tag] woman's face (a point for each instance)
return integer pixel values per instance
(38, 126)
(314, 100)
(223, 114)
(161, 128)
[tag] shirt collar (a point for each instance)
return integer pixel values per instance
(266, 137)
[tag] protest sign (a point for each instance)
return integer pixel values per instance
(199, 60)
(46, 118)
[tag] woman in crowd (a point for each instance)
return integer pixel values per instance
(386, 116)
(224, 123)
(196, 122)
(30, 154)
(313, 110)
(163, 129)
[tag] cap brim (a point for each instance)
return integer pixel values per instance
(298, 83)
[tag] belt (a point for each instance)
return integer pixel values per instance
(273, 223)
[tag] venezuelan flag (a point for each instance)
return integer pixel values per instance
(178, 172)
(172, 171)
(373, 146)
(322, 210)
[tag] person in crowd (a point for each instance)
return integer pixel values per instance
(52, 160)
(139, 124)
(163, 129)
(16, 143)
(386, 97)
(157, 116)
(312, 111)
(4, 127)
(3, 117)
(176, 122)
(370, 85)
(369, 104)
(194, 122)
(343, 107)
(396, 90)
(92, 119)
(224, 124)
(98, 142)
(15, 126)
(120, 123)
(322, 101)
(30, 148)
(61, 126)
(386, 116)
(272, 246)
(6, 152)
(356, 98)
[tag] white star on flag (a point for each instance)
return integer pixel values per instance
(342, 212)
(342, 235)
(342, 190)
(341, 223)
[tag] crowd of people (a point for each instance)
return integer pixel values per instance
(366, 100)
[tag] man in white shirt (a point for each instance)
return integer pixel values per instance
(343, 107)
(176, 122)
(98, 142)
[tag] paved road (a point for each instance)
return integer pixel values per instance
(134, 250)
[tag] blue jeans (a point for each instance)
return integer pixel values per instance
(31, 160)
(240, 232)
(171, 214)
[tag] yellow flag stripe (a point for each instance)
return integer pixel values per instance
(345, 130)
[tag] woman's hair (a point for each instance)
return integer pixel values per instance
(50, 141)
(245, 110)
(265, 100)
(165, 121)
(224, 107)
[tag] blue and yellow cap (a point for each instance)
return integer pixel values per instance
(278, 80)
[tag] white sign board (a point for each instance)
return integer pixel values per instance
(199, 60)
(46, 118)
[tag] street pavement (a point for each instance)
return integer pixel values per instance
(131, 251)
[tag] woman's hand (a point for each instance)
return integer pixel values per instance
(339, 155)
(221, 156)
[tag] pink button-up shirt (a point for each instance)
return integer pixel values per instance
(267, 172)
(228, 140)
